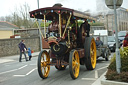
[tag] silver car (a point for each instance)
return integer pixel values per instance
(112, 43)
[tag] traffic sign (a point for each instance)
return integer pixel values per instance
(110, 3)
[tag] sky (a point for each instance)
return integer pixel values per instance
(8, 6)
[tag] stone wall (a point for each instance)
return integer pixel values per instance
(10, 46)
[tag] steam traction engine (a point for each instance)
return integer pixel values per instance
(67, 41)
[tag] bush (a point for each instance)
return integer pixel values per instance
(124, 76)
(112, 74)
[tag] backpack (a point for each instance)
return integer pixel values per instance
(19, 45)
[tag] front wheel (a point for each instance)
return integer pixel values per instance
(74, 64)
(43, 64)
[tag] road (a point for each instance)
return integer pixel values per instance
(25, 73)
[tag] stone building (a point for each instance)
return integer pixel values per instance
(106, 16)
(122, 19)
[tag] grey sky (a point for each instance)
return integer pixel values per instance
(8, 6)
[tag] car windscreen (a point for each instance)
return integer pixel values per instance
(111, 39)
(121, 34)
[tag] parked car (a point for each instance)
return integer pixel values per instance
(112, 43)
(121, 35)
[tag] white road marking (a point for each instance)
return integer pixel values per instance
(13, 70)
(25, 74)
(89, 79)
(96, 71)
(19, 75)
(96, 74)
(8, 71)
(22, 66)
(31, 71)
(102, 68)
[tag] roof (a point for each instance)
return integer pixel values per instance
(38, 13)
(43, 10)
(7, 26)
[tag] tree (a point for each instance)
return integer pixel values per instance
(20, 17)
(24, 12)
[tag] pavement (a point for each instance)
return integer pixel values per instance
(35, 54)
(15, 57)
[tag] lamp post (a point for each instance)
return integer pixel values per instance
(39, 26)
(107, 22)
(113, 4)
(118, 63)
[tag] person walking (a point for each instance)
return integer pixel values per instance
(22, 48)
(29, 53)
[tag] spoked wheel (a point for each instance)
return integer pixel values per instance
(74, 64)
(90, 53)
(43, 64)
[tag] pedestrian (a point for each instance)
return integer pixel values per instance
(125, 42)
(29, 53)
(22, 48)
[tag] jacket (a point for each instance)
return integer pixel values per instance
(99, 43)
(22, 46)
(125, 42)
(29, 52)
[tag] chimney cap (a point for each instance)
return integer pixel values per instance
(57, 5)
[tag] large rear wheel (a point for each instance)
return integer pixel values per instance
(90, 53)
(74, 64)
(43, 64)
